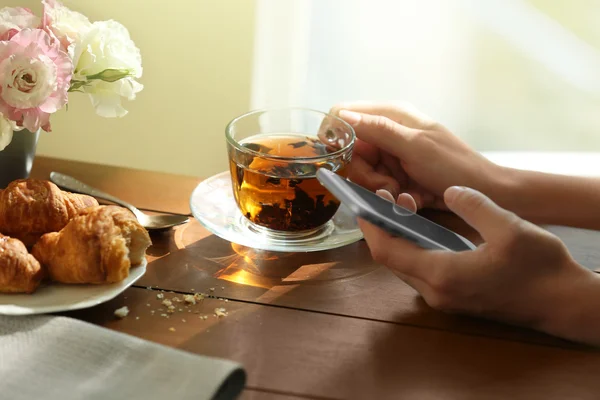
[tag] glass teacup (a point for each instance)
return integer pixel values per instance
(274, 156)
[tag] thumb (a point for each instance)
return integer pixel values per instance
(380, 131)
(479, 211)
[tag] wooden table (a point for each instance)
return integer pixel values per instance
(326, 325)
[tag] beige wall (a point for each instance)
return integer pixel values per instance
(197, 58)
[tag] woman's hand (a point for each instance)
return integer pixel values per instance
(522, 274)
(402, 150)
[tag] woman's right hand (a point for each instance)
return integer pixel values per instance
(404, 151)
(522, 275)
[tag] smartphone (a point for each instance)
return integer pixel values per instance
(390, 217)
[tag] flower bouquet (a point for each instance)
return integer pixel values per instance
(44, 60)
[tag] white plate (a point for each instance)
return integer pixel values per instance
(212, 203)
(57, 297)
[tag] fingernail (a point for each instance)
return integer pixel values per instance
(385, 194)
(350, 117)
(453, 191)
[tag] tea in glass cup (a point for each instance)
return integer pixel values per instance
(274, 156)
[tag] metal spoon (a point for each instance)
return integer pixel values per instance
(150, 222)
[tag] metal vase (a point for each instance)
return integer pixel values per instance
(17, 158)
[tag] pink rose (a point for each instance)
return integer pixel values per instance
(34, 78)
(66, 25)
(12, 20)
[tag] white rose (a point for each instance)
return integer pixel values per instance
(6, 131)
(106, 96)
(107, 62)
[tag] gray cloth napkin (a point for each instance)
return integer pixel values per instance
(46, 357)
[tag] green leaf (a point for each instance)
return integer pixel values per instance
(76, 86)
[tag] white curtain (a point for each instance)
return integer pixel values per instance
(502, 74)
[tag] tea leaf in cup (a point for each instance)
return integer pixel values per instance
(260, 148)
(297, 145)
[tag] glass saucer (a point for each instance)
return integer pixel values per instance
(212, 203)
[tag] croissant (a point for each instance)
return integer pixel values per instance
(97, 246)
(19, 271)
(31, 207)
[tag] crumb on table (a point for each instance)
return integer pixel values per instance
(121, 312)
(220, 312)
(198, 297)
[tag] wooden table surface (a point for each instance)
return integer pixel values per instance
(326, 325)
